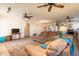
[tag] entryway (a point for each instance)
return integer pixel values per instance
(27, 30)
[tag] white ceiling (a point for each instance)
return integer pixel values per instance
(70, 9)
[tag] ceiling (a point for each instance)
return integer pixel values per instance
(70, 9)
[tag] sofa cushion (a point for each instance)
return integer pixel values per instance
(51, 52)
(35, 50)
(53, 34)
(3, 50)
(17, 51)
(57, 46)
(44, 46)
(45, 33)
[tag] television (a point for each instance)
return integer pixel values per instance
(14, 31)
(70, 31)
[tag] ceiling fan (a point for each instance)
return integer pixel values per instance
(26, 16)
(9, 9)
(68, 18)
(58, 22)
(50, 6)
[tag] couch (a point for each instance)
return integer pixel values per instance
(45, 36)
(26, 48)
(54, 49)
(14, 48)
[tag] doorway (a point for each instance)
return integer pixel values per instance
(27, 30)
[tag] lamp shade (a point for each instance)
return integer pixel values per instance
(63, 28)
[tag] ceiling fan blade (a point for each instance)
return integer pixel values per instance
(68, 17)
(58, 5)
(42, 6)
(9, 9)
(25, 14)
(49, 9)
(28, 17)
(69, 20)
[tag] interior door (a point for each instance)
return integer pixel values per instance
(27, 30)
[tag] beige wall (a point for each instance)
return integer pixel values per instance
(35, 28)
(7, 23)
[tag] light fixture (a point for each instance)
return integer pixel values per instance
(44, 21)
(9, 9)
(63, 28)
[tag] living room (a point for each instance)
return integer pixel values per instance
(21, 22)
